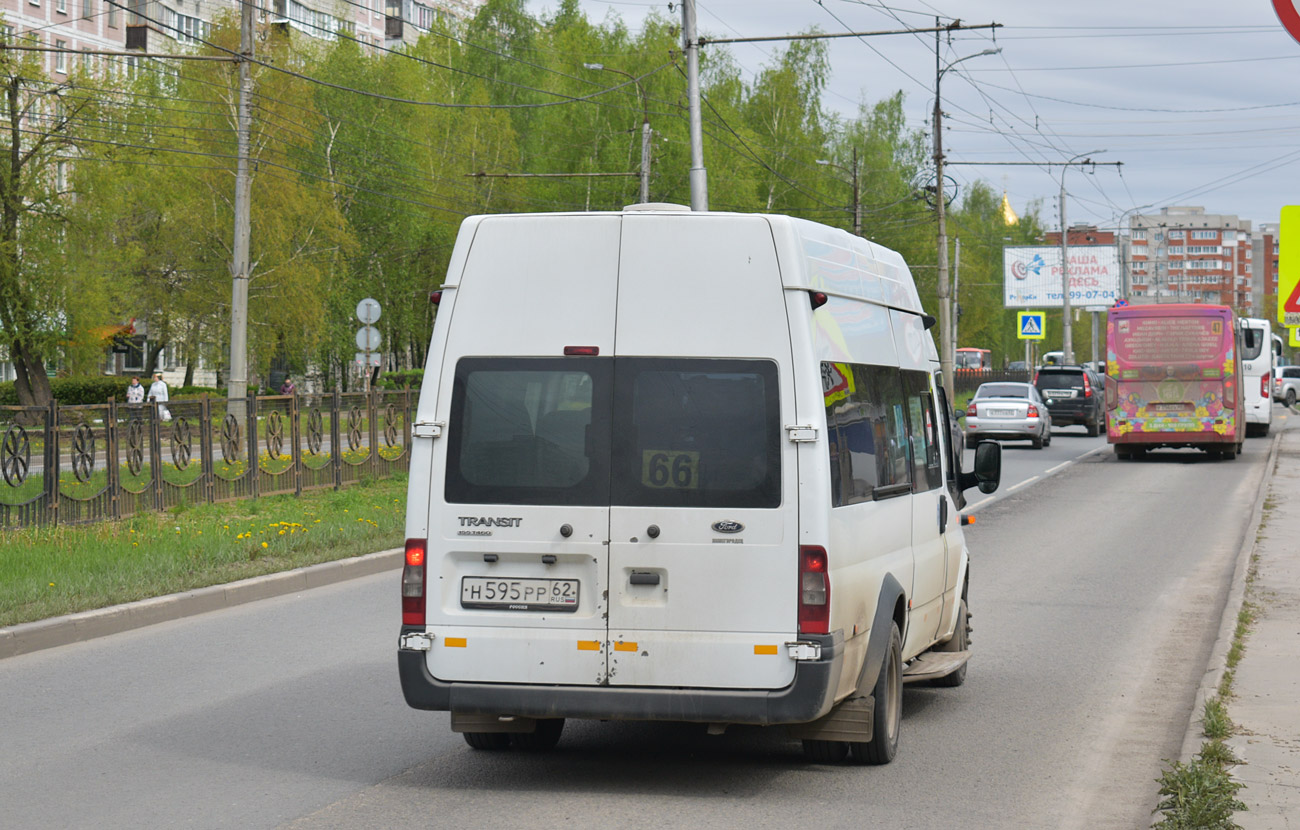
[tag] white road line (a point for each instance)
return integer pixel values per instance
(1022, 484)
(1059, 466)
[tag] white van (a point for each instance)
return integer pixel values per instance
(681, 466)
(1257, 374)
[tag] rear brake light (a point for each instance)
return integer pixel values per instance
(1087, 387)
(413, 582)
(582, 351)
(814, 590)
(1033, 411)
(1263, 386)
(971, 411)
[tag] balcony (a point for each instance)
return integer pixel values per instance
(393, 28)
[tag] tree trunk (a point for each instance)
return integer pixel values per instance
(189, 372)
(30, 382)
(151, 362)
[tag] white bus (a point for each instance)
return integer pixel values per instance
(1257, 374)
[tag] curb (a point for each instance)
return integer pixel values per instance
(87, 625)
(1218, 662)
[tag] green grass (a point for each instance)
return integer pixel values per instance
(46, 572)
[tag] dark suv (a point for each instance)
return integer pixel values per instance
(1074, 395)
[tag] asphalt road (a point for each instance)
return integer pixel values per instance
(1096, 593)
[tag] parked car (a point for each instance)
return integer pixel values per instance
(1075, 395)
(1286, 384)
(1017, 366)
(1008, 412)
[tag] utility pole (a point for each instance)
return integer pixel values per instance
(1067, 335)
(956, 295)
(645, 126)
(946, 349)
(857, 200)
(237, 384)
(699, 176)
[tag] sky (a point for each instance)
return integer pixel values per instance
(1200, 99)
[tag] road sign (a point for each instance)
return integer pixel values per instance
(1288, 267)
(368, 338)
(1286, 12)
(1031, 325)
(368, 311)
(1295, 337)
(362, 357)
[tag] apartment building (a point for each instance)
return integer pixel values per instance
(168, 25)
(1183, 254)
(1264, 250)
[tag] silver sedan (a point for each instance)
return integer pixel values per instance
(1008, 412)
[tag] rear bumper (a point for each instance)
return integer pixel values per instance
(810, 696)
(1173, 439)
(1064, 414)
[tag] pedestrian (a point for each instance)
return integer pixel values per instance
(135, 393)
(158, 394)
(287, 388)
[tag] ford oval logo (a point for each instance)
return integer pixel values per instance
(728, 527)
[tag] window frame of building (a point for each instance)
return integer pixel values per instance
(61, 58)
(112, 14)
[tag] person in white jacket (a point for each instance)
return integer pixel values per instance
(158, 394)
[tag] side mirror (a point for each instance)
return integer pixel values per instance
(988, 468)
(958, 414)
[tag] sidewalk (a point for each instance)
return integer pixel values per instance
(1265, 707)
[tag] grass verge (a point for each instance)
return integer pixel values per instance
(1202, 794)
(46, 572)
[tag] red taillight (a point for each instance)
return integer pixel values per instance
(814, 591)
(970, 411)
(1032, 412)
(1035, 378)
(1263, 386)
(435, 297)
(582, 351)
(413, 582)
(817, 299)
(1087, 387)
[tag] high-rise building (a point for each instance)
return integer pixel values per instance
(1183, 254)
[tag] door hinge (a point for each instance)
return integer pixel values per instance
(415, 641)
(427, 429)
(801, 434)
(800, 650)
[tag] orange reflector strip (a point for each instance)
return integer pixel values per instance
(454, 642)
(625, 646)
(589, 645)
(765, 650)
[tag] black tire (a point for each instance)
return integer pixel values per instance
(825, 752)
(488, 741)
(887, 715)
(546, 736)
(1094, 429)
(1289, 398)
(960, 642)
(1047, 438)
(1036, 442)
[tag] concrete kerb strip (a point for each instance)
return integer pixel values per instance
(1218, 663)
(87, 625)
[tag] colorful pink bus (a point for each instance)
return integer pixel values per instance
(1174, 379)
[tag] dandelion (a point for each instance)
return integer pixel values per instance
(264, 544)
(51, 584)
(282, 533)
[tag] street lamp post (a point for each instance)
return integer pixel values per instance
(857, 202)
(1067, 339)
(946, 354)
(645, 127)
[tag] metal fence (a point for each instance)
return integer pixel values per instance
(78, 464)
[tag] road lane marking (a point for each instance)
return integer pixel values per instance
(1016, 487)
(1059, 466)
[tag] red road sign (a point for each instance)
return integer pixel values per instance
(1286, 12)
(1292, 303)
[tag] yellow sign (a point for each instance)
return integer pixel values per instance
(1031, 325)
(1288, 267)
(1295, 336)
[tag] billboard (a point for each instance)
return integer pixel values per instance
(1032, 276)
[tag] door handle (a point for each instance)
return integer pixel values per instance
(642, 578)
(943, 514)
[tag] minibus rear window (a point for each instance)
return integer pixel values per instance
(529, 431)
(696, 433)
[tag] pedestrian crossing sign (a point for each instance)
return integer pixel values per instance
(1030, 325)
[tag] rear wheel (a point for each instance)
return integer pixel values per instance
(489, 741)
(1037, 442)
(960, 642)
(1093, 427)
(887, 713)
(545, 737)
(1289, 398)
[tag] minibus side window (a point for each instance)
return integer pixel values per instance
(923, 432)
(866, 424)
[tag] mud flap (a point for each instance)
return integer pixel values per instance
(850, 721)
(878, 643)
